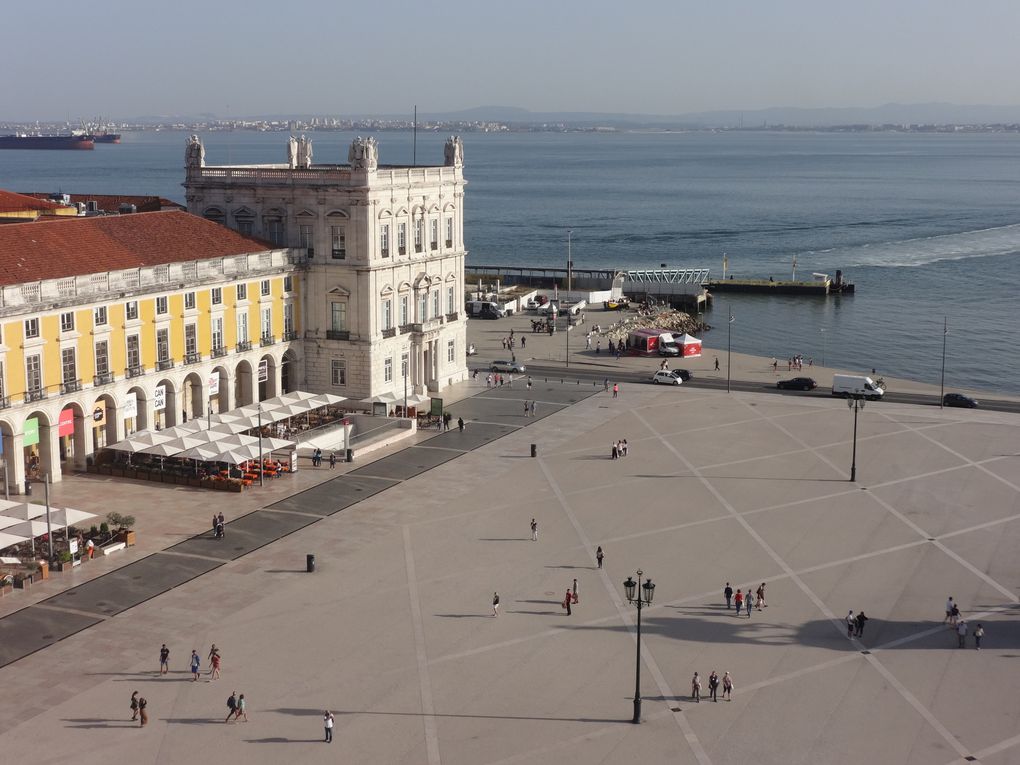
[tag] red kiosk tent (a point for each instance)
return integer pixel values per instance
(690, 347)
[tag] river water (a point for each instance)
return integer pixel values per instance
(927, 226)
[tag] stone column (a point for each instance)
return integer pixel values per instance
(14, 458)
(49, 452)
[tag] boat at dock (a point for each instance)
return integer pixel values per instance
(59, 142)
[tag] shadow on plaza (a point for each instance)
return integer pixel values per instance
(710, 624)
(300, 712)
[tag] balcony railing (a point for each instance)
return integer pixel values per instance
(338, 334)
(267, 340)
(243, 345)
(163, 364)
(405, 328)
(430, 324)
(70, 386)
(389, 332)
(452, 316)
(434, 246)
(103, 378)
(218, 351)
(5, 401)
(134, 371)
(192, 358)
(402, 250)
(289, 335)
(35, 395)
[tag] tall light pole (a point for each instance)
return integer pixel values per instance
(729, 325)
(822, 331)
(633, 590)
(262, 465)
(856, 403)
(942, 391)
(570, 263)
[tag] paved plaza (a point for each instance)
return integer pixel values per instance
(394, 631)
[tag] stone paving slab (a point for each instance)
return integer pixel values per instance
(334, 496)
(249, 533)
(133, 584)
(32, 628)
(408, 463)
(475, 434)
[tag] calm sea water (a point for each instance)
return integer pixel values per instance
(928, 226)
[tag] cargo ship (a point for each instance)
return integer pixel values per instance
(25, 141)
(106, 137)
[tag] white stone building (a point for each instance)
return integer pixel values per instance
(382, 293)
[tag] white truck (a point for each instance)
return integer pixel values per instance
(854, 386)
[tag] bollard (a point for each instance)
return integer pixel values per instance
(350, 455)
(28, 488)
(309, 563)
(534, 450)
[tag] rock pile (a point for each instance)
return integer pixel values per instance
(668, 319)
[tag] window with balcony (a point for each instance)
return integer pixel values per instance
(307, 240)
(134, 354)
(405, 361)
(163, 344)
(435, 303)
(434, 234)
(388, 370)
(419, 235)
(190, 343)
(216, 330)
(242, 291)
(33, 373)
(384, 240)
(288, 321)
(387, 313)
(423, 307)
(67, 322)
(338, 316)
(131, 310)
(189, 301)
(451, 299)
(162, 305)
(267, 324)
(339, 372)
(265, 288)
(401, 238)
(68, 369)
(99, 316)
(102, 361)
(242, 327)
(405, 305)
(217, 295)
(338, 239)
(31, 328)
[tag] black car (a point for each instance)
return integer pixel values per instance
(797, 383)
(683, 374)
(958, 399)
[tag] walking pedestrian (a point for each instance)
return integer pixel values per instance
(616, 450)
(532, 407)
(727, 686)
(851, 624)
(460, 424)
(716, 363)
(859, 626)
(215, 661)
(749, 602)
(954, 616)
(696, 688)
(738, 600)
(979, 632)
(488, 381)
(713, 686)
(231, 705)
(616, 390)
(599, 555)
(495, 604)
(961, 633)
(567, 600)
(164, 660)
(761, 597)
(605, 385)
(332, 460)
(143, 715)
(949, 610)
(327, 722)
(524, 342)
(626, 447)
(526, 408)
(529, 382)
(534, 530)
(242, 708)
(214, 653)
(575, 592)
(195, 664)
(215, 522)
(728, 594)
(134, 706)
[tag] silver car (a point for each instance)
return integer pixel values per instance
(506, 366)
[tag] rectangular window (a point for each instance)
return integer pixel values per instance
(217, 295)
(99, 316)
(189, 301)
(288, 319)
(387, 313)
(163, 344)
(435, 303)
(388, 370)
(191, 340)
(384, 240)
(131, 310)
(423, 306)
(404, 307)
(404, 363)
(275, 231)
(401, 238)
(450, 349)
(288, 283)
(244, 226)
(338, 237)
(267, 322)
(102, 358)
(305, 235)
(68, 367)
(451, 300)
(33, 372)
(67, 322)
(134, 354)
(31, 328)
(339, 372)
(419, 234)
(449, 232)
(217, 333)
(434, 234)
(242, 327)
(161, 305)
(265, 287)
(338, 317)
(242, 291)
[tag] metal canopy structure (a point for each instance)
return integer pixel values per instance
(669, 276)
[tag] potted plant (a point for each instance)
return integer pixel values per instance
(6, 584)
(123, 524)
(64, 561)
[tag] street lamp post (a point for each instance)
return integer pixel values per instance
(822, 331)
(856, 403)
(729, 326)
(942, 391)
(634, 595)
(262, 464)
(570, 263)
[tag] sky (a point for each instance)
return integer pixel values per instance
(65, 60)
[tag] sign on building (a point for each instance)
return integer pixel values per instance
(214, 384)
(130, 406)
(31, 431)
(65, 426)
(99, 414)
(159, 398)
(263, 370)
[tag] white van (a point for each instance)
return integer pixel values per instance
(849, 386)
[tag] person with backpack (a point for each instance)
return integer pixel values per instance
(134, 706)
(232, 706)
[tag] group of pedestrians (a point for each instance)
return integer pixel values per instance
(714, 681)
(496, 379)
(509, 343)
(218, 526)
(960, 626)
(195, 663)
(237, 707)
(855, 624)
(620, 449)
(529, 408)
(748, 600)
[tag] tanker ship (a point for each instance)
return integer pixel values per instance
(26, 141)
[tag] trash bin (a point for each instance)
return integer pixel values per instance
(534, 450)
(310, 563)
(28, 488)
(350, 455)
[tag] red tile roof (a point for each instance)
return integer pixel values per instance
(112, 202)
(54, 249)
(11, 202)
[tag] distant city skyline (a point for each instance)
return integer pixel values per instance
(236, 59)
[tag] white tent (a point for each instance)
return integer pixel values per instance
(66, 516)
(9, 540)
(23, 511)
(141, 440)
(30, 529)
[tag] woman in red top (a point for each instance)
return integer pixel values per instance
(738, 599)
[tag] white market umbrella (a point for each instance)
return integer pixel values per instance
(209, 452)
(29, 529)
(66, 516)
(9, 540)
(384, 398)
(141, 440)
(276, 445)
(24, 511)
(326, 399)
(416, 399)
(6, 521)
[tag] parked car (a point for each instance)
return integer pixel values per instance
(532, 304)
(797, 383)
(958, 399)
(667, 377)
(683, 374)
(506, 366)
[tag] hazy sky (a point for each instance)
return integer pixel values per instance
(63, 59)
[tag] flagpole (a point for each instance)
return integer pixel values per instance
(942, 391)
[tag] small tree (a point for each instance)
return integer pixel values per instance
(122, 522)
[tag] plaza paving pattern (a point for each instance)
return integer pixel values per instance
(394, 631)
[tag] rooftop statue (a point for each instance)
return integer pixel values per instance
(292, 152)
(453, 152)
(194, 153)
(363, 154)
(304, 152)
